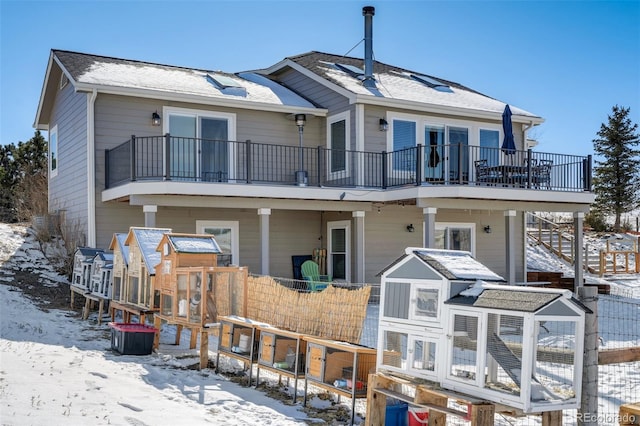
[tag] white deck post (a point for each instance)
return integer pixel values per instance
(358, 226)
(429, 226)
(509, 247)
(264, 240)
(150, 215)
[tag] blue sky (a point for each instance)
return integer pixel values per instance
(568, 61)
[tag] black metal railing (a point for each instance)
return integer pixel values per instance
(202, 160)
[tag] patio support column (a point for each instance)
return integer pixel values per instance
(509, 226)
(150, 215)
(358, 230)
(578, 255)
(429, 226)
(264, 240)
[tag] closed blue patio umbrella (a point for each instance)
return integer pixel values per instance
(508, 143)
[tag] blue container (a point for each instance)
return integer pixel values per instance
(396, 414)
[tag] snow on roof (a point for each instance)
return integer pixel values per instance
(88, 252)
(105, 71)
(124, 249)
(105, 256)
(455, 264)
(522, 301)
(395, 83)
(402, 88)
(194, 244)
(148, 240)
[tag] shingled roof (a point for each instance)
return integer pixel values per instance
(104, 71)
(401, 84)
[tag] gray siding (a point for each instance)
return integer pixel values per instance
(386, 237)
(311, 89)
(291, 232)
(68, 190)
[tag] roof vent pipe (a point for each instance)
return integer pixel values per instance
(368, 12)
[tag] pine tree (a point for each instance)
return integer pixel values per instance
(23, 179)
(616, 180)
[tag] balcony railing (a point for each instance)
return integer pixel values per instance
(171, 158)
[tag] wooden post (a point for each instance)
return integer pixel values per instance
(157, 323)
(588, 411)
(194, 338)
(376, 402)
(204, 347)
(482, 414)
(630, 414)
(436, 418)
(552, 418)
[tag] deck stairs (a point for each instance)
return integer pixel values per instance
(558, 239)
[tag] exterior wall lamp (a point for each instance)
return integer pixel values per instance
(384, 126)
(155, 119)
(410, 228)
(487, 229)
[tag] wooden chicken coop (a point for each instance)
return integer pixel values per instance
(282, 352)
(119, 272)
(447, 318)
(191, 288)
(137, 296)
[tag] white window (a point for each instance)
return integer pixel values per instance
(338, 143)
(489, 146)
(404, 140)
(226, 234)
(456, 236)
(339, 247)
(200, 144)
(53, 152)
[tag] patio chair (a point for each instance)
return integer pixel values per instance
(542, 174)
(311, 274)
(484, 173)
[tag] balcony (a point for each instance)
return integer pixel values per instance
(171, 158)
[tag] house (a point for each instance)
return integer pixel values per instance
(347, 154)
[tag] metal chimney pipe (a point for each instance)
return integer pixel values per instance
(368, 12)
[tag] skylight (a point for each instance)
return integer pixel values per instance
(430, 82)
(222, 81)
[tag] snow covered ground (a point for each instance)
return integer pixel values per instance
(58, 369)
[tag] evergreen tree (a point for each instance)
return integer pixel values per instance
(616, 180)
(23, 179)
(7, 183)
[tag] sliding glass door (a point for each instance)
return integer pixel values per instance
(199, 146)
